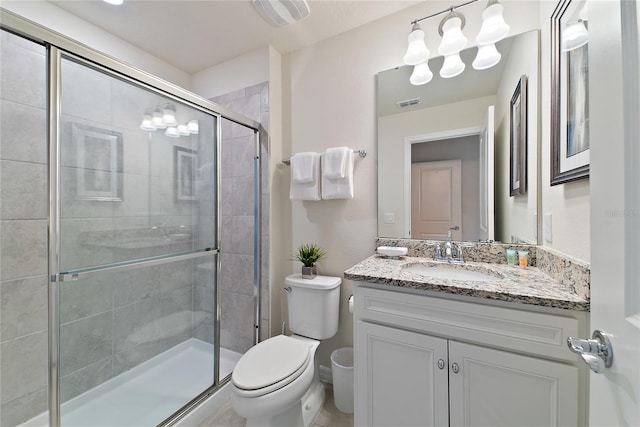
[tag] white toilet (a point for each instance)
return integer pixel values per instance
(277, 382)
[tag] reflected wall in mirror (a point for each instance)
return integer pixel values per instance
(456, 119)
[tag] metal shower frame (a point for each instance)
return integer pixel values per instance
(59, 46)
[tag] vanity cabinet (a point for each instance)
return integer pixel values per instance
(427, 361)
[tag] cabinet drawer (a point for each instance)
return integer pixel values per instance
(513, 329)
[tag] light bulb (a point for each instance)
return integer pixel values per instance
(453, 41)
(157, 120)
(169, 116)
(193, 127)
(183, 130)
(147, 123)
(487, 57)
(417, 51)
(575, 35)
(172, 132)
(494, 28)
(421, 74)
(452, 66)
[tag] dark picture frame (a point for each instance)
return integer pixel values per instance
(518, 139)
(184, 173)
(569, 98)
(99, 175)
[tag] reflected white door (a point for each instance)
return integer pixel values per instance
(615, 205)
(436, 199)
(486, 167)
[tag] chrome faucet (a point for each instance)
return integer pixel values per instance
(449, 249)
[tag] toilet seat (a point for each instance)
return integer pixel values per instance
(270, 365)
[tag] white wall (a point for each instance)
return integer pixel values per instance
(331, 102)
(517, 214)
(567, 203)
(240, 72)
(61, 21)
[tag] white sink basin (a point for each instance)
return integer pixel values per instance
(445, 271)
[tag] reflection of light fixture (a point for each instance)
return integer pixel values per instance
(417, 51)
(487, 57)
(147, 123)
(452, 66)
(193, 127)
(183, 130)
(494, 28)
(114, 2)
(157, 119)
(169, 115)
(421, 74)
(453, 41)
(575, 35)
(172, 132)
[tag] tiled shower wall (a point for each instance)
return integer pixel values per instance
(23, 230)
(110, 322)
(238, 218)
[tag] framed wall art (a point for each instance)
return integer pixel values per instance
(99, 163)
(569, 92)
(184, 170)
(518, 140)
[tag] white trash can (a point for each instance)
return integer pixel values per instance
(342, 374)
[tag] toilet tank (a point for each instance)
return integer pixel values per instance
(313, 305)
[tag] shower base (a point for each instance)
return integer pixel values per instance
(148, 393)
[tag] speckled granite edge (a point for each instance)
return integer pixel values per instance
(493, 253)
(567, 270)
(513, 284)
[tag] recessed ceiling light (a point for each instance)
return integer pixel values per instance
(116, 2)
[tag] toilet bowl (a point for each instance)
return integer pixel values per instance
(271, 380)
(276, 383)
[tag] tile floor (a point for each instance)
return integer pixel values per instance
(329, 415)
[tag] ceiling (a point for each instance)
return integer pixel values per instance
(195, 35)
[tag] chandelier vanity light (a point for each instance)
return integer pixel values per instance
(163, 117)
(493, 29)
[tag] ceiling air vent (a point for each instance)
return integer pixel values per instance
(282, 12)
(408, 103)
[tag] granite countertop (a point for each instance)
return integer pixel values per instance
(512, 284)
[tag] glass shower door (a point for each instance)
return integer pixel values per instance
(138, 251)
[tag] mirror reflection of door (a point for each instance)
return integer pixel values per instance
(436, 200)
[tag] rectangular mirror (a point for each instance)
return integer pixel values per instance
(444, 149)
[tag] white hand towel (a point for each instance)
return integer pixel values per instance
(341, 188)
(310, 190)
(302, 168)
(334, 162)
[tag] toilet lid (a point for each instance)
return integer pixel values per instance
(269, 362)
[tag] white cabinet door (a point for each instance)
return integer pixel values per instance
(497, 388)
(397, 378)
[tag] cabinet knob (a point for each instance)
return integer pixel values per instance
(441, 363)
(455, 368)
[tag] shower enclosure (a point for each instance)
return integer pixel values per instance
(113, 238)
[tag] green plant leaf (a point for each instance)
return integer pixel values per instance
(308, 254)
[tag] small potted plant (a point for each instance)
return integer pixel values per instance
(308, 255)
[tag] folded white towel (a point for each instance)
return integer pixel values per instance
(341, 188)
(334, 162)
(310, 190)
(302, 168)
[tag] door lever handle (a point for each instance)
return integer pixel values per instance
(596, 352)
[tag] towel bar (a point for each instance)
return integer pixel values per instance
(361, 153)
